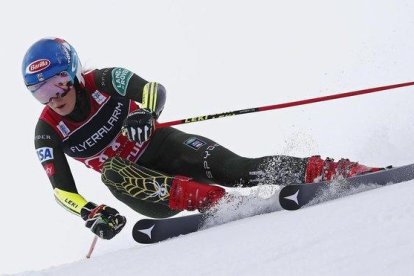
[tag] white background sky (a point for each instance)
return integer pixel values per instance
(212, 57)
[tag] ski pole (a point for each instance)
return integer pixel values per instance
(283, 105)
(92, 247)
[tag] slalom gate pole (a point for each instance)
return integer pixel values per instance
(92, 247)
(283, 105)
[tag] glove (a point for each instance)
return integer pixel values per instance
(104, 221)
(139, 125)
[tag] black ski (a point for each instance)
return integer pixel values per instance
(293, 197)
(156, 230)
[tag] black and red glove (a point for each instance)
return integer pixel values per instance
(104, 221)
(139, 125)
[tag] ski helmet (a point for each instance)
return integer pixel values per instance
(47, 58)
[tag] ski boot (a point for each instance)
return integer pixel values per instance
(325, 170)
(187, 194)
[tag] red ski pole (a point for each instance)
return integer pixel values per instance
(283, 105)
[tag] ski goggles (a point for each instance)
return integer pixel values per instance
(55, 87)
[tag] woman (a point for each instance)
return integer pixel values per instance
(93, 117)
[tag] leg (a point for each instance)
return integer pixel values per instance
(176, 152)
(149, 209)
(204, 160)
(156, 194)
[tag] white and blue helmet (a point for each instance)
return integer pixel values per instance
(49, 57)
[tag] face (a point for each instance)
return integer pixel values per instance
(64, 105)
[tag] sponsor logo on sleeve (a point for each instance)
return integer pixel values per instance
(49, 169)
(43, 137)
(120, 80)
(63, 129)
(194, 143)
(98, 97)
(45, 154)
(104, 75)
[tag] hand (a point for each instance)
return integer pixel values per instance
(104, 221)
(139, 125)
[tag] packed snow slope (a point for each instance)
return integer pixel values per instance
(214, 57)
(368, 233)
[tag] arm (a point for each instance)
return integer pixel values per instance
(103, 220)
(122, 82)
(55, 164)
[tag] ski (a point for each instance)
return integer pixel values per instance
(148, 231)
(291, 197)
(295, 196)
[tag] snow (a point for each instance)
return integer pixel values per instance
(216, 57)
(363, 234)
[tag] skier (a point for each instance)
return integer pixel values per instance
(95, 117)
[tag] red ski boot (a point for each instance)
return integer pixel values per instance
(186, 194)
(324, 170)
